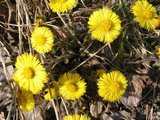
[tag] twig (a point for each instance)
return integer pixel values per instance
(69, 30)
(65, 107)
(65, 24)
(19, 27)
(91, 56)
(154, 94)
(55, 109)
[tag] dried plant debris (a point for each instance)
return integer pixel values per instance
(96, 109)
(134, 94)
(79, 59)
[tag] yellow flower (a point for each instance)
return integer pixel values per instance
(61, 6)
(111, 86)
(42, 39)
(25, 100)
(145, 14)
(158, 51)
(104, 25)
(30, 75)
(76, 117)
(71, 86)
(100, 72)
(158, 21)
(50, 94)
(39, 22)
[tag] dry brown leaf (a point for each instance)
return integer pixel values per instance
(133, 96)
(2, 116)
(6, 68)
(125, 115)
(36, 114)
(104, 116)
(96, 109)
(5, 96)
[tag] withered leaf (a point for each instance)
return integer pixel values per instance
(133, 96)
(96, 108)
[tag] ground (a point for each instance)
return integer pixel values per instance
(133, 53)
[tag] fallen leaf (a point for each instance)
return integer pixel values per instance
(133, 96)
(105, 116)
(2, 116)
(96, 109)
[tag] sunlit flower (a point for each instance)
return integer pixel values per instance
(100, 72)
(145, 14)
(39, 22)
(112, 85)
(158, 51)
(71, 86)
(104, 25)
(158, 21)
(76, 117)
(25, 100)
(30, 75)
(42, 39)
(50, 94)
(61, 6)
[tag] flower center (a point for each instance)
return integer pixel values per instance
(115, 87)
(71, 87)
(106, 25)
(147, 15)
(29, 73)
(41, 40)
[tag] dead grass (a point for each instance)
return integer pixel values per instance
(133, 53)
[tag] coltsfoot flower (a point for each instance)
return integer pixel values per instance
(50, 94)
(104, 25)
(42, 39)
(100, 72)
(112, 85)
(61, 6)
(158, 51)
(71, 86)
(145, 14)
(39, 22)
(30, 75)
(25, 100)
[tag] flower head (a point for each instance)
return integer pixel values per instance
(25, 100)
(30, 75)
(42, 39)
(50, 94)
(61, 6)
(76, 117)
(71, 86)
(111, 86)
(104, 25)
(145, 14)
(100, 72)
(158, 21)
(158, 51)
(39, 22)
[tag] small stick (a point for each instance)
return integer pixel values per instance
(91, 56)
(65, 107)
(55, 109)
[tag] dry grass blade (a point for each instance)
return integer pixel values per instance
(125, 40)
